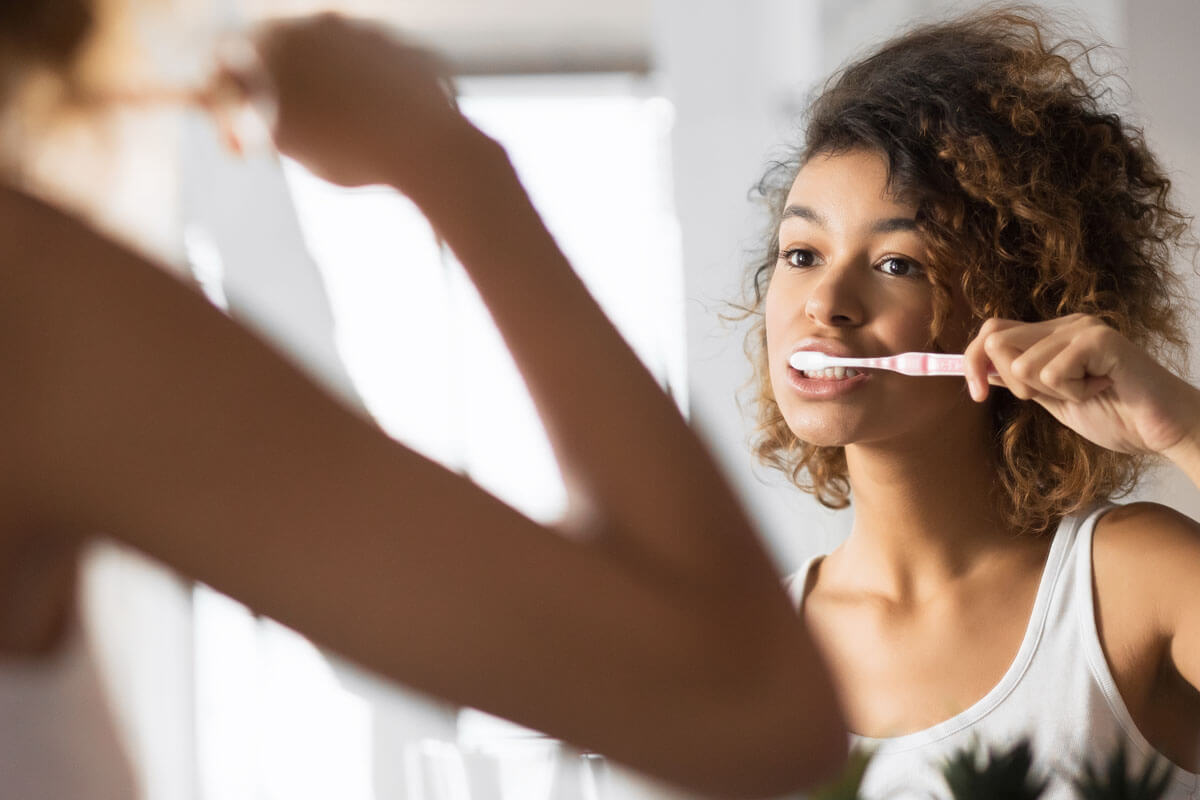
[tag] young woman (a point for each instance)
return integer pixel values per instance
(963, 188)
(649, 626)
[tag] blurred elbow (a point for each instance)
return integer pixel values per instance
(800, 749)
(765, 730)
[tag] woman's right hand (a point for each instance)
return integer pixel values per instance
(354, 103)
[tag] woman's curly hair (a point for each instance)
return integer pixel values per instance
(1031, 195)
(46, 34)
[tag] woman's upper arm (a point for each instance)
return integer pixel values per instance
(1150, 553)
(1181, 587)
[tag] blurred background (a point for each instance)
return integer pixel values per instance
(639, 127)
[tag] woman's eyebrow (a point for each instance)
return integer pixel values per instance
(894, 224)
(886, 225)
(804, 212)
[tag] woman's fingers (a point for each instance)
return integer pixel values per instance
(1080, 369)
(1069, 358)
(1033, 368)
(1002, 355)
(1017, 351)
(357, 103)
(998, 342)
(976, 361)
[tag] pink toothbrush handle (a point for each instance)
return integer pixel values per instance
(924, 364)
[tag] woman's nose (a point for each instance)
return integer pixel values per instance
(835, 300)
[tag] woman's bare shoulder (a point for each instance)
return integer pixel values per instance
(1144, 530)
(1146, 557)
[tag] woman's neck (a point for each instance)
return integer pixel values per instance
(927, 513)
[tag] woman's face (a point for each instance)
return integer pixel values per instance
(850, 281)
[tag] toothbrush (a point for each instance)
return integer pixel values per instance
(904, 363)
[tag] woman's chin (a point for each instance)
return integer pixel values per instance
(823, 436)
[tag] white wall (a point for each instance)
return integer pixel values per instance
(734, 78)
(1164, 67)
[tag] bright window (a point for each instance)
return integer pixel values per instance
(274, 719)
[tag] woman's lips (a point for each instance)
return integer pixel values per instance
(825, 387)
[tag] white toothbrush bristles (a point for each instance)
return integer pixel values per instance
(805, 360)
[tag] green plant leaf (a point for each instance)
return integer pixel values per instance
(1115, 783)
(1001, 775)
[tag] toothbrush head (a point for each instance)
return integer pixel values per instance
(808, 360)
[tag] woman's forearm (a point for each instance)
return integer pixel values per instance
(1184, 402)
(1186, 456)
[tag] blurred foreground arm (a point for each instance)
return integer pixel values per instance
(660, 638)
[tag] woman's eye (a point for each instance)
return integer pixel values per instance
(901, 267)
(798, 257)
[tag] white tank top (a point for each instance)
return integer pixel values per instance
(1058, 691)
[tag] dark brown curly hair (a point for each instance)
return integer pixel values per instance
(1032, 196)
(46, 34)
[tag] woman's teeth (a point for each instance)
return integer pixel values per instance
(830, 373)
